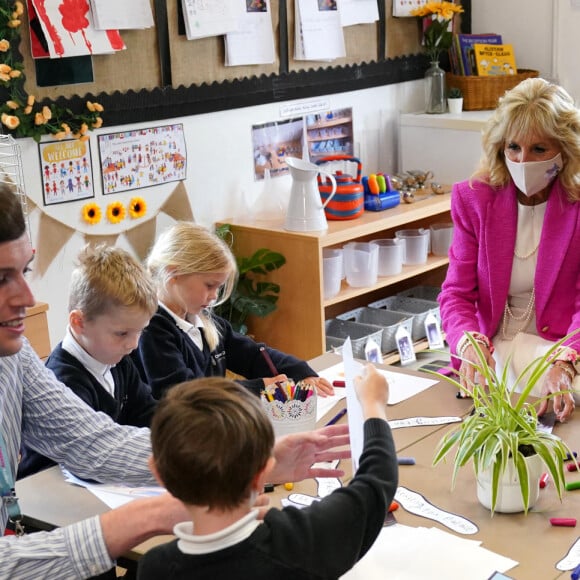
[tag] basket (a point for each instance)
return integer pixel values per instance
(411, 306)
(481, 93)
(387, 320)
(422, 292)
(337, 331)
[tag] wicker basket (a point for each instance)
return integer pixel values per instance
(481, 93)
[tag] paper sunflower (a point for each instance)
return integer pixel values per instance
(137, 207)
(116, 212)
(92, 213)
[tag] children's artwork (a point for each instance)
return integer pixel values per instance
(67, 173)
(68, 28)
(273, 142)
(142, 158)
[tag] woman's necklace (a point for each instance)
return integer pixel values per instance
(525, 317)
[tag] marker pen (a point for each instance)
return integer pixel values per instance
(339, 383)
(544, 480)
(566, 522)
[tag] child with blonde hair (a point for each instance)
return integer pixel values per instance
(111, 301)
(194, 270)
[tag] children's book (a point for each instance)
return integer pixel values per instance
(465, 43)
(494, 59)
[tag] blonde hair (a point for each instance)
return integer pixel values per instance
(107, 277)
(188, 248)
(534, 106)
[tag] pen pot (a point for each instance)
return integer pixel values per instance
(290, 407)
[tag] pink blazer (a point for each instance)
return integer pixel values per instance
(476, 287)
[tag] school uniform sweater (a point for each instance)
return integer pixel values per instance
(166, 356)
(322, 541)
(133, 403)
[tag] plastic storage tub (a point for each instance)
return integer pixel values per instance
(387, 320)
(422, 292)
(415, 306)
(338, 330)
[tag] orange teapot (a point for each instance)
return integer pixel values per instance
(348, 201)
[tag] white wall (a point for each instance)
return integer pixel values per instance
(220, 180)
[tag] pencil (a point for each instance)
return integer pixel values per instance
(337, 417)
(269, 362)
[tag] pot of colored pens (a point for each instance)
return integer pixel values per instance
(290, 406)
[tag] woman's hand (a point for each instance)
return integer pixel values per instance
(558, 380)
(277, 379)
(467, 372)
(322, 386)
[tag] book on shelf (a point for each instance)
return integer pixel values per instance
(494, 59)
(464, 46)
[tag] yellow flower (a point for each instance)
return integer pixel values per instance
(46, 113)
(15, 23)
(60, 135)
(90, 106)
(98, 123)
(27, 110)
(4, 45)
(14, 74)
(10, 121)
(4, 68)
(65, 128)
(30, 100)
(39, 119)
(84, 138)
(12, 104)
(137, 207)
(92, 213)
(18, 8)
(84, 128)
(116, 212)
(4, 77)
(98, 107)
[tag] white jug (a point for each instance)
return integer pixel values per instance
(305, 210)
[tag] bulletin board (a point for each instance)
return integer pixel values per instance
(161, 74)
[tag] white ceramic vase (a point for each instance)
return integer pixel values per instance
(509, 495)
(455, 106)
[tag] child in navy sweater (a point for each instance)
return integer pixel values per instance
(218, 476)
(194, 270)
(111, 301)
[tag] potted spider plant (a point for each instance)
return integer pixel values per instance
(501, 438)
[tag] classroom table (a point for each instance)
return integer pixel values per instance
(47, 501)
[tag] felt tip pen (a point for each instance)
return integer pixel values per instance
(572, 485)
(572, 467)
(394, 506)
(570, 455)
(576, 573)
(269, 362)
(544, 480)
(406, 460)
(337, 417)
(565, 522)
(339, 383)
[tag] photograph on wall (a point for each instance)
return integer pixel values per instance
(142, 158)
(329, 133)
(67, 173)
(273, 142)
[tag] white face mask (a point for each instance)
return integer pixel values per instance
(532, 176)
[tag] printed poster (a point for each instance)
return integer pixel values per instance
(142, 158)
(67, 173)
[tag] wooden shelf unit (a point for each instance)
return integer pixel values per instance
(297, 326)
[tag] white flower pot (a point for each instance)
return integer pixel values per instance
(509, 495)
(455, 106)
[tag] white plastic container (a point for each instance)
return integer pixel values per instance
(390, 256)
(332, 271)
(416, 244)
(441, 238)
(361, 263)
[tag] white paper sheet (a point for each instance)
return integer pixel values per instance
(355, 415)
(253, 41)
(128, 14)
(401, 386)
(406, 553)
(318, 30)
(205, 18)
(358, 12)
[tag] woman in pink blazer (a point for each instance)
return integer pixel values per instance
(514, 271)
